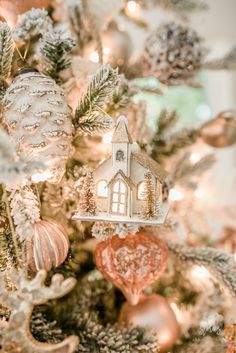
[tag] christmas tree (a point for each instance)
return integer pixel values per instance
(122, 249)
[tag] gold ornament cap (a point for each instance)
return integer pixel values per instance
(230, 333)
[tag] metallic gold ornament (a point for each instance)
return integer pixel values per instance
(154, 313)
(220, 131)
(116, 44)
(133, 263)
(48, 246)
(230, 335)
(16, 335)
(10, 9)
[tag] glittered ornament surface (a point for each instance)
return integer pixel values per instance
(132, 263)
(174, 53)
(220, 131)
(154, 313)
(48, 246)
(38, 118)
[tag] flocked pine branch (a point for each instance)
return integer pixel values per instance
(54, 49)
(219, 262)
(32, 24)
(24, 210)
(94, 123)
(97, 96)
(6, 50)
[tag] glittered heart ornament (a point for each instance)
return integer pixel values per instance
(133, 263)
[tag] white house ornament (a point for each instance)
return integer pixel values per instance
(39, 119)
(120, 184)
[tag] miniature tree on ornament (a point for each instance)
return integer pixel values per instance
(151, 204)
(87, 203)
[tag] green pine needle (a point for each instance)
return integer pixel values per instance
(98, 93)
(6, 50)
(94, 124)
(55, 49)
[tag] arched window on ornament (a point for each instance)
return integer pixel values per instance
(102, 190)
(119, 197)
(120, 156)
(140, 191)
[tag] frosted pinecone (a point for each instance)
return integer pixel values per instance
(173, 53)
(39, 119)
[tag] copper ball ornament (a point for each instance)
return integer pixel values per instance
(133, 263)
(230, 336)
(10, 9)
(220, 131)
(153, 312)
(48, 246)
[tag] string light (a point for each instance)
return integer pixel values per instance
(195, 157)
(94, 57)
(175, 195)
(132, 7)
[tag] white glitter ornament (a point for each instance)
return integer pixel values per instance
(39, 119)
(173, 53)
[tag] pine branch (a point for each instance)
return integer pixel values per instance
(24, 210)
(164, 142)
(227, 62)
(99, 91)
(54, 49)
(184, 169)
(32, 24)
(219, 262)
(6, 50)
(94, 124)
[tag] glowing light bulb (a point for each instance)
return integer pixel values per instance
(195, 157)
(175, 195)
(94, 57)
(132, 6)
(200, 272)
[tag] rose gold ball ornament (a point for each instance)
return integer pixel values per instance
(10, 9)
(133, 263)
(154, 313)
(230, 336)
(220, 131)
(48, 246)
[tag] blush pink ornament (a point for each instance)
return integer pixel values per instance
(133, 263)
(154, 313)
(48, 246)
(10, 9)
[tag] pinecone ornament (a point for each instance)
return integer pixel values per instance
(39, 119)
(173, 53)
